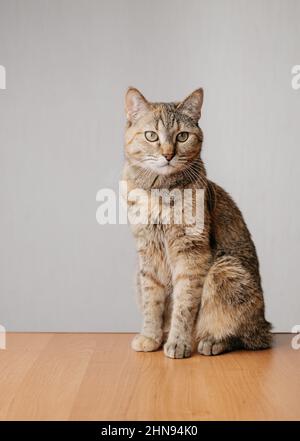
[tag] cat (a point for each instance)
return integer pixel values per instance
(195, 290)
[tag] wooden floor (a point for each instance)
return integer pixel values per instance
(99, 377)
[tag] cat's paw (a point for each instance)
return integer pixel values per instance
(212, 347)
(177, 349)
(141, 343)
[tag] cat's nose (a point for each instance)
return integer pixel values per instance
(168, 156)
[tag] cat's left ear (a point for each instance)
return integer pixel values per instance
(136, 104)
(192, 105)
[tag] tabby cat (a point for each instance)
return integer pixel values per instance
(195, 290)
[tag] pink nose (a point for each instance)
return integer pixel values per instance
(168, 156)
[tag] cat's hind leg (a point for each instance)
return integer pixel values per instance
(231, 315)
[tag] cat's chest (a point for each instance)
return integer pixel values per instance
(158, 207)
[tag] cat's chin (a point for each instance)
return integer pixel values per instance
(165, 170)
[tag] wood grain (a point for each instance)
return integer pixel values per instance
(98, 377)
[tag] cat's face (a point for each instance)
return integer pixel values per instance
(163, 137)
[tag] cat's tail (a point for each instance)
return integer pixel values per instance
(258, 336)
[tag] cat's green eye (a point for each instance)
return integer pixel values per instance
(151, 136)
(182, 136)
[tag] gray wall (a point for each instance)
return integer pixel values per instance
(68, 64)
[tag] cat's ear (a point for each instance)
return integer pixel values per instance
(192, 105)
(135, 104)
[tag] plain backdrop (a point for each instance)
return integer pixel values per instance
(68, 64)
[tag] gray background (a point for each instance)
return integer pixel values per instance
(68, 64)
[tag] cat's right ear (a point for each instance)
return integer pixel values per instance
(135, 104)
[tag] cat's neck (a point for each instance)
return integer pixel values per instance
(193, 175)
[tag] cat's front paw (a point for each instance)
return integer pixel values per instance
(141, 343)
(177, 349)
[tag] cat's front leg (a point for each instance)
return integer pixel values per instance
(189, 272)
(152, 293)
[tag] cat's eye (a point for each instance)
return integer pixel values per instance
(151, 136)
(182, 136)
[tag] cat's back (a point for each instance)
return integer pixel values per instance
(229, 232)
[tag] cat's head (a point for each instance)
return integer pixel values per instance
(163, 138)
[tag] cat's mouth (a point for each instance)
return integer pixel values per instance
(166, 168)
(166, 165)
(161, 166)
